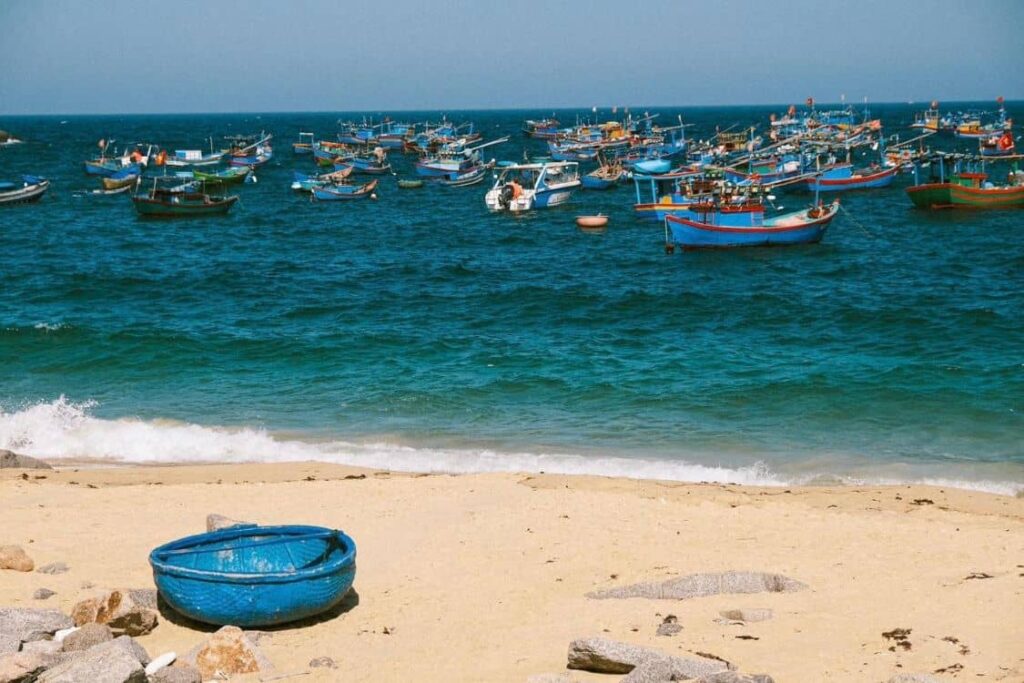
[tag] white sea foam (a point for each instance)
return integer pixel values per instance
(63, 429)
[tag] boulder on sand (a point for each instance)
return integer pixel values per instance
(602, 655)
(20, 666)
(121, 660)
(215, 522)
(9, 460)
(229, 651)
(13, 557)
(118, 609)
(87, 636)
(700, 585)
(27, 624)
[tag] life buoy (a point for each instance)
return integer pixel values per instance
(1006, 142)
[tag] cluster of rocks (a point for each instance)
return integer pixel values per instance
(95, 643)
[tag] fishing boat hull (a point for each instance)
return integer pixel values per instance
(235, 175)
(330, 193)
(31, 190)
(806, 227)
(955, 196)
(862, 181)
(119, 183)
(596, 182)
(189, 205)
(104, 169)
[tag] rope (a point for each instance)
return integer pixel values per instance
(857, 222)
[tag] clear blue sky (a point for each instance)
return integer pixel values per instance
(99, 56)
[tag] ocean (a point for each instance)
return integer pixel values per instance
(419, 332)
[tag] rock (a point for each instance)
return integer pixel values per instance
(322, 662)
(735, 677)
(27, 624)
(53, 568)
(116, 661)
(179, 673)
(15, 460)
(9, 645)
(42, 647)
(13, 557)
(228, 651)
(118, 610)
(914, 678)
(747, 614)
(215, 522)
(601, 655)
(89, 635)
(20, 666)
(699, 585)
(550, 678)
(669, 626)
(144, 597)
(161, 662)
(43, 594)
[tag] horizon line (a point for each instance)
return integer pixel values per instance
(489, 109)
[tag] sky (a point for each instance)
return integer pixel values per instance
(146, 56)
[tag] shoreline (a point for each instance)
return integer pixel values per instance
(484, 576)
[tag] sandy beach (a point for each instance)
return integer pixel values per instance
(484, 577)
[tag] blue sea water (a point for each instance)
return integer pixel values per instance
(420, 332)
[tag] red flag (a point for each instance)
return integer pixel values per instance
(810, 101)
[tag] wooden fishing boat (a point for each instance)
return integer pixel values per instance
(472, 176)
(327, 153)
(180, 201)
(255, 575)
(126, 177)
(104, 193)
(305, 144)
(999, 145)
(233, 175)
(375, 163)
(193, 158)
(841, 177)
(717, 226)
(453, 159)
(306, 183)
(409, 184)
(522, 187)
(605, 177)
(544, 129)
(30, 189)
(968, 190)
(343, 191)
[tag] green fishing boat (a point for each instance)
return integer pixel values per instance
(969, 189)
(235, 175)
(180, 201)
(410, 184)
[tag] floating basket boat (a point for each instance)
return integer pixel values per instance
(410, 184)
(591, 222)
(255, 576)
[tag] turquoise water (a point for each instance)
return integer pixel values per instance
(418, 331)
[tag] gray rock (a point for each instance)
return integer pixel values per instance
(144, 597)
(15, 460)
(699, 585)
(179, 673)
(669, 628)
(215, 522)
(322, 662)
(43, 594)
(14, 557)
(20, 666)
(914, 678)
(551, 678)
(25, 623)
(735, 677)
(747, 614)
(42, 647)
(53, 568)
(602, 655)
(87, 636)
(9, 644)
(116, 661)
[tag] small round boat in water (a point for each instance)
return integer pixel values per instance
(591, 222)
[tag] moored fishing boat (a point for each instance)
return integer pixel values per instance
(472, 176)
(302, 182)
(998, 145)
(233, 175)
(840, 177)
(964, 188)
(372, 163)
(304, 146)
(718, 226)
(605, 177)
(544, 129)
(30, 189)
(180, 201)
(327, 153)
(343, 191)
(521, 187)
(453, 159)
(410, 184)
(126, 177)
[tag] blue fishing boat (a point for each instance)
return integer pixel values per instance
(544, 129)
(342, 191)
(713, 225)
(255, 575)
(657, 195)
(373, 163)
(840, 177)
(469, 177)
(305, 144)
(327, 153)
(564, 150)
(522, 187)
(453, 159)
(302, 182)
(604, 177)
(30, 189)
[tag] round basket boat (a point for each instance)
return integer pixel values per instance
(255, 575)
(410, 184)
(591, 222)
